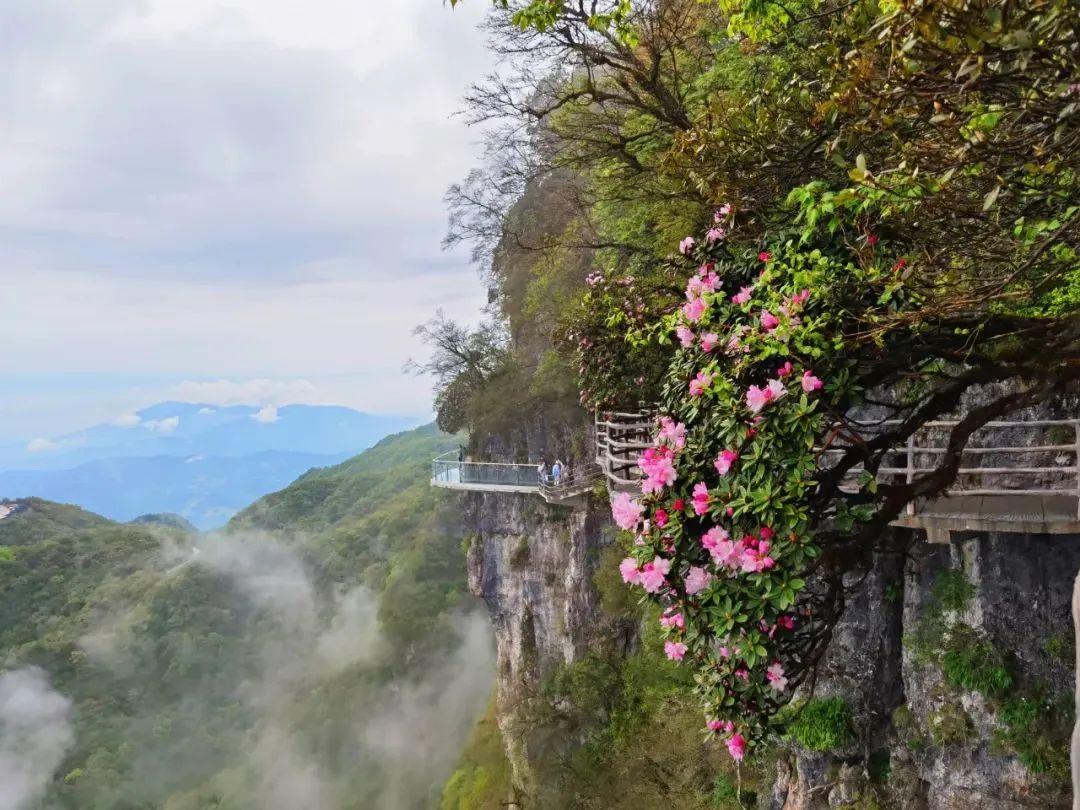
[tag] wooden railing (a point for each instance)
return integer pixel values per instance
(1038, 457)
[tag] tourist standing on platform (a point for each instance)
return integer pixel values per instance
(556, 471)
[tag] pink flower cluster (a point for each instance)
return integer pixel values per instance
(673, 620)
(658, 464)
(724, 461)
(758, 398)
(651, 576)
(675, 650)
(750, 554)
(626, 512)
(672, 433)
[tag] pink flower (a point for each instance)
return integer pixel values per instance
(714, 235)
(785, 370)
(742, 672)
(756, 560)
(629, 570)
(679, 505)
(775, 676)
(776, 390)
(685, 335)
(710, 282)
(660, 517)
(810, 382)
(693, 310)
(658, 464)
(675, 650)
(672, 433)
(715, 725)
(786, 622)
(626, 511)
(721, 212)
(653, 573)
(675, 620)
(765, 533)
(757, 398)
(701, 498)
(736, 746)
(742, 296)
(686, 245)
(802, 297)
(694, 288)
(700, 383)
(764, 256)
(769, 321)
(709, 341)
(871, 240)
(724, 461)
(697, 579)
(723, 551)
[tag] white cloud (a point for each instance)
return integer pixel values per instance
(206, 411)
(167, 425)
(127, 420)
(35, 733)
(266, 415)
(43, 445)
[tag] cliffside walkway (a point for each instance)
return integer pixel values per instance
(476, 476)
(1017, 476)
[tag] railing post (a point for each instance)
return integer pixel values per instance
(1076, 463)
(911, 469)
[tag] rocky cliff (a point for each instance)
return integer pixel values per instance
(947, 682)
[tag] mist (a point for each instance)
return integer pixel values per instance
(336, 715)
(35, 733)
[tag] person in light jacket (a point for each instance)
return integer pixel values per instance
(556, 471)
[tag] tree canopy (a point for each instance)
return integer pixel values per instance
(875, 206)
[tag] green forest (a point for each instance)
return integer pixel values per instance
(319, 652)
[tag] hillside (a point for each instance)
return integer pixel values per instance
(287, 662)
(205, 490)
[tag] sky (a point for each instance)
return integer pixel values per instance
(227, 201)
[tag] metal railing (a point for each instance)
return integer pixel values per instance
(1038, 457)
(450, 473)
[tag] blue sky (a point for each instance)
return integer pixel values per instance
(227, 201)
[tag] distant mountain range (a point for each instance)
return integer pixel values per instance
(201, 462)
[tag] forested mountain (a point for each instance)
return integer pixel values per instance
(201, 462)
(319, 653)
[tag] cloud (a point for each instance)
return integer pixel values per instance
(127, 420)
(206, 411)
(35, 733)
(282, 174)
(266, 415)
(166, 425)
(43, 445)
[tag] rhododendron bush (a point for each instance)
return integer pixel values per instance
(725, 525)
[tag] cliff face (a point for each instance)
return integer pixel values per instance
(953, 661)
(956, 663)
(533, 565)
